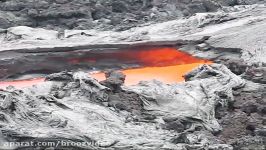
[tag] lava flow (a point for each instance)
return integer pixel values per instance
(165, 64)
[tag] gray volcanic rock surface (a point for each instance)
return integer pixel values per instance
(220, 106)
(146, 116)
(233, 32)
(103, 14)
(199, 99)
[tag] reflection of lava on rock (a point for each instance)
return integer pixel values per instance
(164, 64)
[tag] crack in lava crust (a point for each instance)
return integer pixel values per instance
(165, 64)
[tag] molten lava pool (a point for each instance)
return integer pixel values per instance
(165, 64)
(168, 74)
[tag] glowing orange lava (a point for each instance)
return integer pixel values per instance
(165, 64)
(165, 57)
(21, 83)
(168, 75)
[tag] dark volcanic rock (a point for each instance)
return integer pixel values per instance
(205, 72)
(249, 143)
(180, 138)
(234, 125)
(243, 121)
(237, 66)
(119, 99)
(175, 125)
(4, 23)
(77, 14)
(114, 80)
(256, 74)
(249, 107)
(62, 76)
(126, 101)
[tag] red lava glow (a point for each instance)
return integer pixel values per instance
(21, 83)
(163, 57)
(164, 64)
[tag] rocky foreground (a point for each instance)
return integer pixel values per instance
(220, 106)
(214, 109)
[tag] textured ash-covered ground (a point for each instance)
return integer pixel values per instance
(221, 106)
